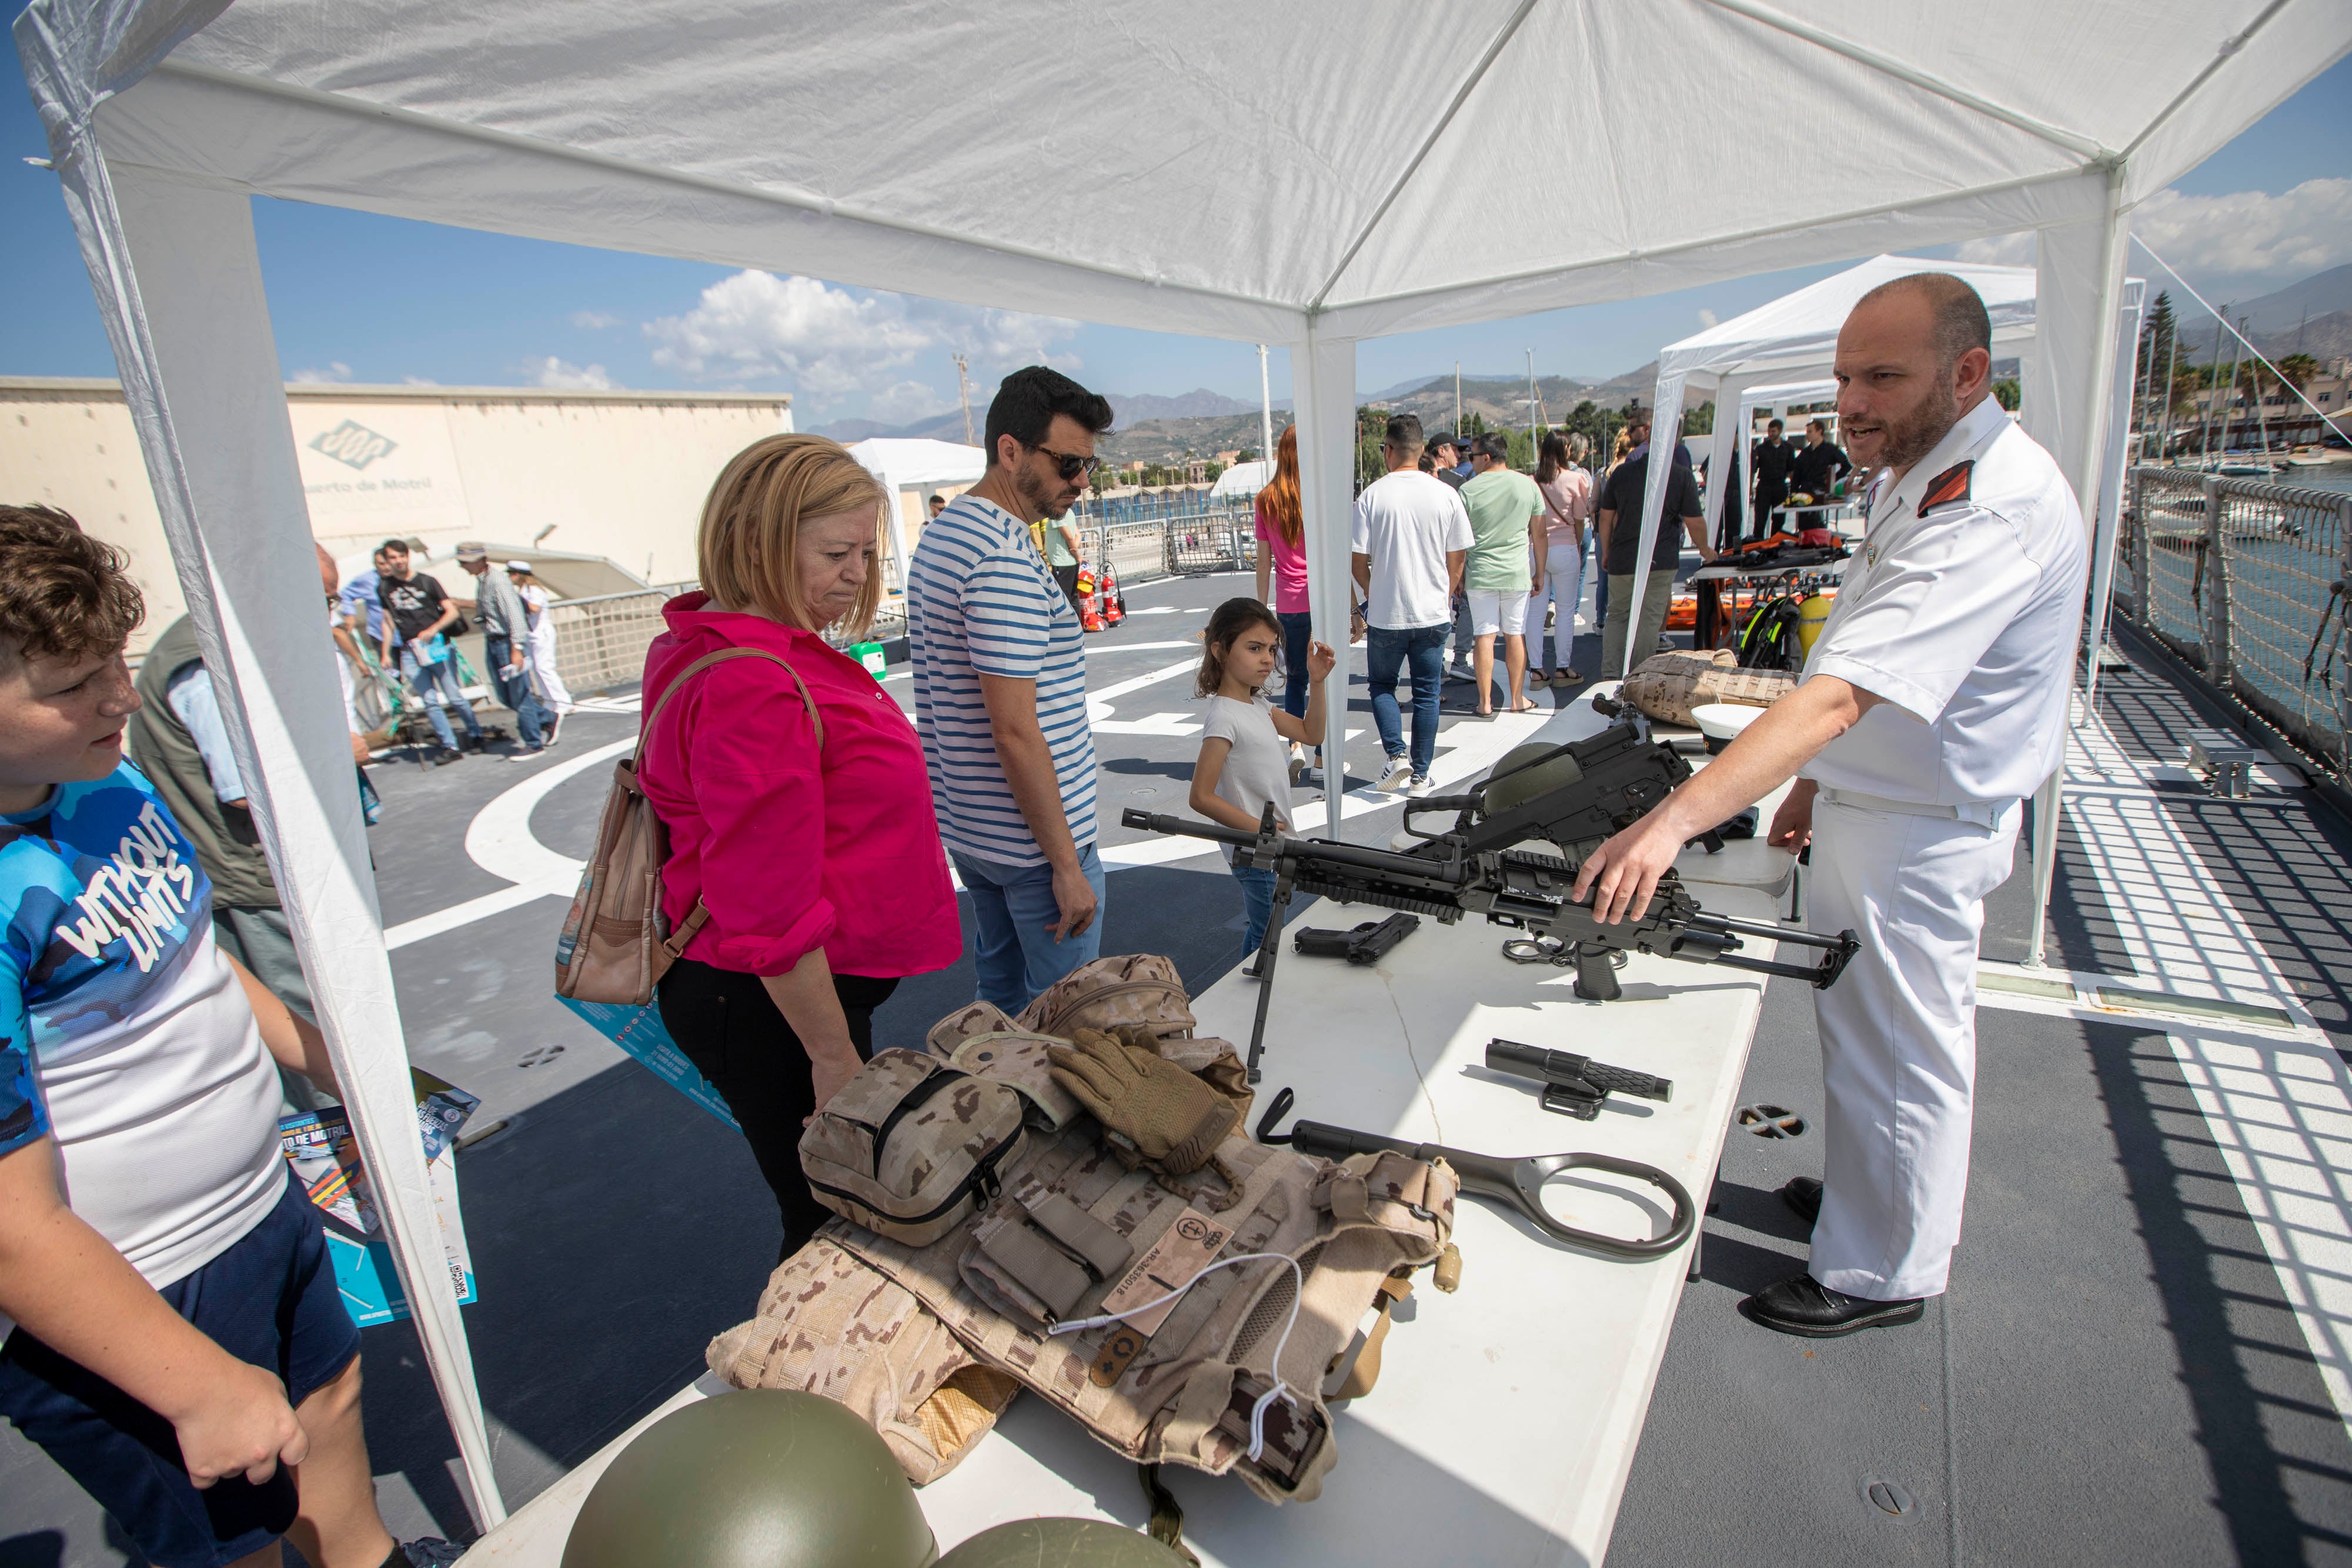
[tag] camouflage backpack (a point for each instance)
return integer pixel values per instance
(1669, 686)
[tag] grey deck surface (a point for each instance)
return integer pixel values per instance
(2123, 1384)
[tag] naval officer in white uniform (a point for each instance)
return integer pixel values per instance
(1933, 702)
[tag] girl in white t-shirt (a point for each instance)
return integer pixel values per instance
(1244, 767)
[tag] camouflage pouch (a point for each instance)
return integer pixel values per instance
(948, 1034)
(911, 1147)
(1016, 1057)
(830, 1324)
(1139, 988)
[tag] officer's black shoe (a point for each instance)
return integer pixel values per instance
(443, 756)
(470, 741)
(1803, 1195)
(1805, 1307)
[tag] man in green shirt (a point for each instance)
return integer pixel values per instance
(1506, 562)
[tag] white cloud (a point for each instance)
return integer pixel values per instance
(336, 371)
(2249, 235)
(833, 344)
(418, 381)
(2245, 237)
(561, 375)
(903, 403)
(1999, 250)
(595, 320)
(1706, 318)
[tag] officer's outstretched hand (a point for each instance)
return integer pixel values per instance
(1623, 873)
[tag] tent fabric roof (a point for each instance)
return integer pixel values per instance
(1263, 196)
(1243, 478)
(1799, 331)
(913, 460)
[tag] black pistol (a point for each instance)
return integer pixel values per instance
(1367, 943)
(1573, 1085)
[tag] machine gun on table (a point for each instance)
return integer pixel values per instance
(1572, 797)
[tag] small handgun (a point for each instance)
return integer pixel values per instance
(1573, 1085)
(1367, 943)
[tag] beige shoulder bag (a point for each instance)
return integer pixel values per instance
(614, 947)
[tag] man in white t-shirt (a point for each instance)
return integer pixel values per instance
(1933, 702)
(1410, 536)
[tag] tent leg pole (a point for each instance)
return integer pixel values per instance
(1323, 383)
(178, 280)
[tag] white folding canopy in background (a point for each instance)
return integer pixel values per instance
(1330, 182)
(915, 462)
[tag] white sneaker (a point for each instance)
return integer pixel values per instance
(1394, 776)
(1418, 784)
(1297, 764)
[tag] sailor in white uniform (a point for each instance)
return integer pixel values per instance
(1933, 702)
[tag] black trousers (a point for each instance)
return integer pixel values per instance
(734, 1034)
(1067, 576)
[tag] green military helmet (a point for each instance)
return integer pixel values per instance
(1063, 1542)
(762, 1478)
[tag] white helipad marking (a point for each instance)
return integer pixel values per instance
(499, 841)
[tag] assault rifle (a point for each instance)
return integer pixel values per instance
(1571, 797)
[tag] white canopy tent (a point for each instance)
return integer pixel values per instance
(1242, 479)
(909, 463)
(1326, 185)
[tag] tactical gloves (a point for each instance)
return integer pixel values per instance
(1169, 1118)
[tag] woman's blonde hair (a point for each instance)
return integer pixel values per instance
(747, 552)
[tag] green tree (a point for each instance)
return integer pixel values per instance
(2004, 392)
(1699, 421)
(2298, 370)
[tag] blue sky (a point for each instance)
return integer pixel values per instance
(358, 298)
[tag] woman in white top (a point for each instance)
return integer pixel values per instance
(1568, 506)
(541, 645)
(1244, 767)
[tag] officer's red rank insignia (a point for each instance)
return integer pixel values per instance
(1951, 485)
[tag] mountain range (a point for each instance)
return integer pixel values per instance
(2312, 317)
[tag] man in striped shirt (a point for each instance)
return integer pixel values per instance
(1001, 693)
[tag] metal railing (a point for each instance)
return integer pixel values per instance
(1199, 540)
(2246, 581)
(601, 641)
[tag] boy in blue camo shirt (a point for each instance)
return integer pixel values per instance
(173, 1336)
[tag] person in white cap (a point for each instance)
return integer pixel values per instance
(553, 695)
(1933, 702)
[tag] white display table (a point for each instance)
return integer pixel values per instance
(1507, 1415)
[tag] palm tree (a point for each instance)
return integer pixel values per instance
(2298, 370)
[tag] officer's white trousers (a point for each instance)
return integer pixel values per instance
(1898, 1040)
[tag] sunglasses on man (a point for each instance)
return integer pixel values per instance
(1068, 465)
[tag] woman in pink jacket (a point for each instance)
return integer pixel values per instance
(820, 863)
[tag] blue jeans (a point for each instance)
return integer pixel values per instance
(1422, 648)
(1295, 625)
(1257, 904)
(1014, 907)
(437, 686)
(514, 690)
